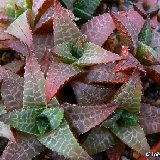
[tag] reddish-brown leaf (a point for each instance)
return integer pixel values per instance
(127, 31)
(11, 89)
(129, 63)
(83, 118)
(26, 147)
(106, 74)
(21, 30)
(149, 118)
(91, 94)
(98, 29)
(115, 152)
(39, 7)
(58, 75)
(45, 24)
(153, 72)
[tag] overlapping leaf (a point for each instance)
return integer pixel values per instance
(106, 74)
(45, 23)
(147, 55)
(115, 152)
(25, 147)
(64, 143)
(129, 95)
(39, 7)
(91, 94)
(34, 83)
(22, 30)
(98, 29)
(83, 118)
(127, 31)
(153, 72)
(85, 8)
(134, 137)
(58, 75)
(98, 140)
(129, 63)
(94, 54)
(145, 36)
(11, 89)
(149, 119)
(65, 30)
(155, 39)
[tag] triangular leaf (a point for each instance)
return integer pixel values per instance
(145, 36)
(34, 83)
(65, 30)
(64, 143)
(26, 147)
(68, 4)
(147, 55)
(134, 137)
(22, 30)
(83, 118)
(11, 89)
(129, 95)
(94, 54)
(91, 94)
(98, 29)
(85, 8)
(98, 140)
(58, 75)
(127, 31)
(149, 119)
(103, 74)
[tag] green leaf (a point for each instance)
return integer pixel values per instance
(94, 54)
(63, 51)
(85, 8)
(134, 137)
(147, 55)
(98, 140)
(67, 3)
(23, 120)
(145, 35)
(54, 116)
(129, 95)
(64, 143)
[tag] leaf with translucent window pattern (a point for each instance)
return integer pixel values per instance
(83, 118)
(153, 72)
(145, 35)
(65, 30)
(129, 95)
(147, 55)
(87, 94)
(58, 75)
(115, 152)
(102, 74)
(129, 63)
(11, 89)
(94, 54)
(23, 30)
(149, 119)
(26, 147)
(39, 7)
(98, 29)
(45, 24)
(34, 83)
(64, 143)
(98, 140)
(134, 137)
(127, 31)
(85, 8)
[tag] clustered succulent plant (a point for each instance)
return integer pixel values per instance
(77, 89)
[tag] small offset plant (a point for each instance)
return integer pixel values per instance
(77, 89)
